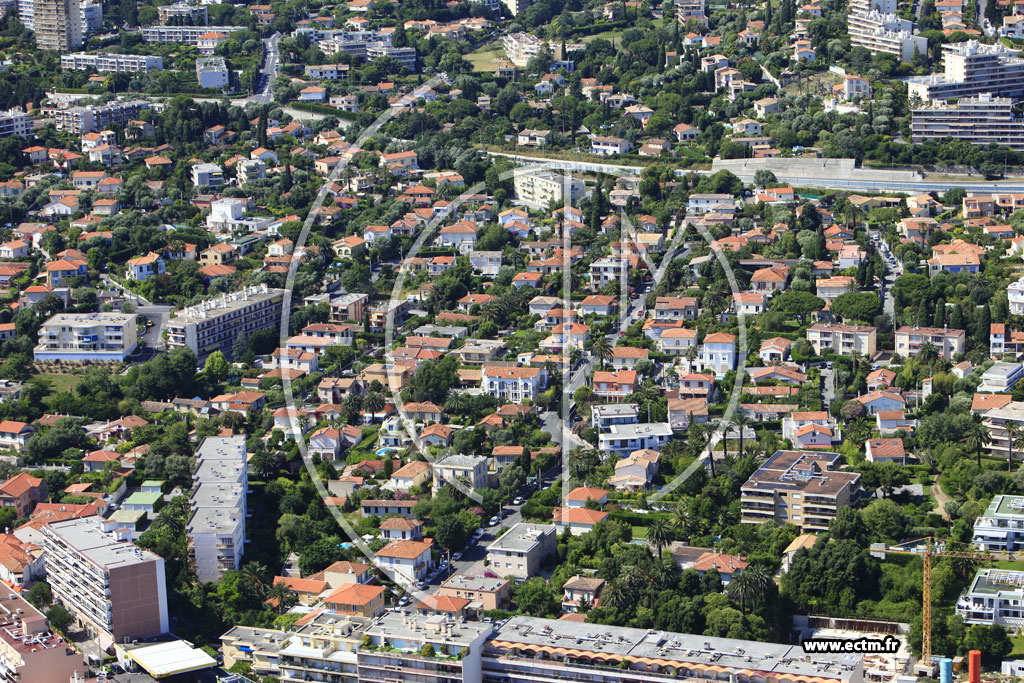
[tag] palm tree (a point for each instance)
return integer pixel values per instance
(977, 437)
(282, 596)
(456, 402)
(582, 463)
(601, 348)
(253, 579)
(748, 586)
(659, 534)
(615, 596)
(373, 402)
(647, 394)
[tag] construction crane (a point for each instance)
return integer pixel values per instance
(926, 554)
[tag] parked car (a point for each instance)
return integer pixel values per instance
(494, 521)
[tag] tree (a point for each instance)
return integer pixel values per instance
(534, 597)
(763, 178)
(450, 532)
(741, 421)
(797, 303)
(281, 596)
(977, 437)
(59, 618)
(1014, 438)
(859, 306)
(659, 534)
(254, 581)
(217, 367)
(601, 348)
(749, 586)
(992, 640)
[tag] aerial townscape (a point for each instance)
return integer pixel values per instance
(512, 341)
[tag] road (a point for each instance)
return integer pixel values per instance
(129, 295)
(159, 314)
(271, 63)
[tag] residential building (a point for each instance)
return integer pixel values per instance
(82, 120)
(15, 122)
(948, 343)
(1015, 294)
(212, 72)
(979, 120)
(14, 435)
(886, 32)
(512, 383)
(29, 650)
(803, 488)
(603, 417)
(1001, 377)
(842, 339)
(190, 35)
(972, 68)
(406, 560)
(216, 525)
(215, 324)
(484, 593)
(526, 649)
(885, 450)
(580, 592)
(116, 590)
(57, 24)
(77, 337)
(142, 268)
(452, 468)
(521, 550)
(621, 440)
(110, 62)
(22, 492)
(539, 189)
(207, 174)
(396, 645)
(994, 597)
(1001, 527)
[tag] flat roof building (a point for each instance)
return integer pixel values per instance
(214, 324)
(1001, 527)
(521, 550)
(114, 588)
(995, 596)
(803, 488)
(972, 68)
(216, 527)
(111, 62)
(980, 120)
(77, 337)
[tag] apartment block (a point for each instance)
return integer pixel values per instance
(1015, 296)
(690, 10)
(82, 120)
(539, 189)
(395, 643)
(526, 649)
(110, 62)
(214, 324)
(57, 24)
(842, 339)
(972, 68)
(512, 383)
(980, 120)
(622, 439)
(484, 593)
(1001, 527)
(115, 589)
(183, 12)
(30, 651)
(15, 122)
(189, 35)
(521, 550)
(212, 72)
(216, 526)
(878, 31)
(997, 420)
(78, 337)
(947, 342)
(803, 488)
(995, 596)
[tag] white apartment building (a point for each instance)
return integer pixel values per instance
(687, 10)
(995, 596)
(539, 189)
(607, 270)
(512, 383)
(842, 339)
(92, 17)
(708, 202)
(947, 342)
(623, 439)
(885, 32)
(521, 550)
(110, 62)
(15, 122)
(472, 468)
(716, 354)
(980, 120)
(82, 120)
(212, 72)
(608, 146)
(972, 68)
(216, 526)
(116, 590)
(76, 337)
(214, 324)
(189, 35)
(1001, 527)
(207, 174)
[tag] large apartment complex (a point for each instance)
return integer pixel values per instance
(89, 119)
(87, 337)
(57, 24)
(947, 342)
(216, 527)
(114, 588)
(980, 120)
(995, 596)
(972, 68)
(107, 62)
(875, 26)
(213, 325)
(803, 488)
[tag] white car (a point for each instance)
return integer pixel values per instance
(494, 521)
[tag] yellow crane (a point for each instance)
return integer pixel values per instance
(926, 554)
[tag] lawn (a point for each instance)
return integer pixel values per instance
(612, 36)
(61, 382)
(639, 531)
(1018, 647)
(1009, 564)
(486, 58)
